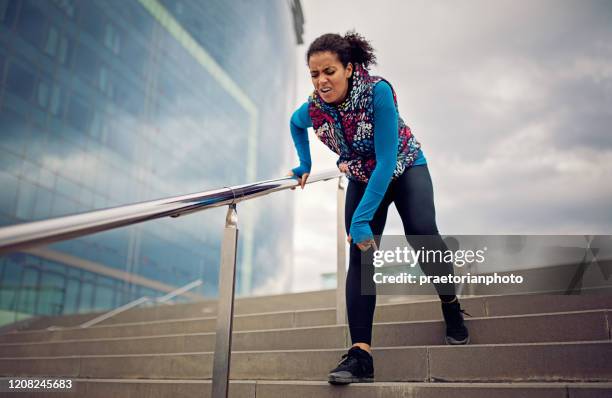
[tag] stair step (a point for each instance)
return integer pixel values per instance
(575, 361)
(273, 320)
(119, 388)
(277, 389)
(398, 312)
(554, 327)
(242, 306)
(418, 307)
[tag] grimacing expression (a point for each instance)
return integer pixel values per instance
(329, 76)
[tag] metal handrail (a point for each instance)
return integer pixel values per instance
(30, 234)
(35, 233)
(180, 290)
(114, 312)
(142, 300)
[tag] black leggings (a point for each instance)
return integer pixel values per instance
(412, 193)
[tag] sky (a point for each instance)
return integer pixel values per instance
(511, 102)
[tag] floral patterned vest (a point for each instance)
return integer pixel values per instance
(348, 128)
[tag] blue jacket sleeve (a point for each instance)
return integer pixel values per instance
(300, 121)
(385, 146)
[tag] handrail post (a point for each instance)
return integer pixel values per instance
(341, 257)
(225, 306)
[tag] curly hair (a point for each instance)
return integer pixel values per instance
(352, 48)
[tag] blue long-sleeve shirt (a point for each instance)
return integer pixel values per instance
(385, 147)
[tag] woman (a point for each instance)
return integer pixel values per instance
(356, 116)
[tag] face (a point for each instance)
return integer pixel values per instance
(329, 76)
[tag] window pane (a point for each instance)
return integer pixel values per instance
(11, 279)
(92, 21)
(2, 58)
(63, 206)
(103, 78)
(3, 7)
(52, 38)
(14, 131)
(42, 206)
(85, 62)
(56, 100)
(51, 294)
(63, 49)
(37, 150)
(8, 193)
(66, 6)
(43, 94)
(87, 290)
(26, 200)
(71, 296)
(46, 178)
(20, 81)
(29, 171)
(31, 24)
(105, 297)
(8, 12)
(28, 291)
(79, 115)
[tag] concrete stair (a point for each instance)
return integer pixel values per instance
(521, 346)
(204, 308)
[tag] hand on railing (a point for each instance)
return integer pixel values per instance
(343, 167)
(301, 180)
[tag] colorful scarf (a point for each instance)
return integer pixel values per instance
(348, 128)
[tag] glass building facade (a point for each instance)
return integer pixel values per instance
(105, 103)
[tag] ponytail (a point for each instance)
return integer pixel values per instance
(361, 50)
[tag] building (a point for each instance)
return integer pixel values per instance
(105, 103)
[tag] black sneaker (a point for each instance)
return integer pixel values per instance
(456, 332)
(356, 366)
